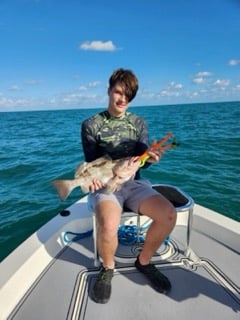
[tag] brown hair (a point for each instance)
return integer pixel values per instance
(127, 79)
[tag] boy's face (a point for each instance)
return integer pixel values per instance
(118, 102)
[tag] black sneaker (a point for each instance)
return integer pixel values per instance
(158, 280)
(102, 287)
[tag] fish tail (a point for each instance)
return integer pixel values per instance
(63, 187)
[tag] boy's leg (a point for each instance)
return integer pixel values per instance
(163, 214)
(108, 215)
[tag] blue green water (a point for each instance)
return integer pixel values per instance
(37, 147)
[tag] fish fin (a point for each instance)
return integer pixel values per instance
(84, 165)
(63, 187)
(100, 160)
(106, 157)
(80, 168)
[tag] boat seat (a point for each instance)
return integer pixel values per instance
(182, 203)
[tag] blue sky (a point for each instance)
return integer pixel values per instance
(59, 54)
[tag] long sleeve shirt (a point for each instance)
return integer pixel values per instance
(118, 137)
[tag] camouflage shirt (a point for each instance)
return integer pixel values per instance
(119, 137)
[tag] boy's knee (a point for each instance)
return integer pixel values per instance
(172, 215)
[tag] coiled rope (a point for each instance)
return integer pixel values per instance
(127, 235)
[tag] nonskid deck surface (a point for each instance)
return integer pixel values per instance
(134, 298)
(199, 289)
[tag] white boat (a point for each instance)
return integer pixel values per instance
(51, 274)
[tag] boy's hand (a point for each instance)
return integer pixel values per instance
(156, 155)
(96, 185)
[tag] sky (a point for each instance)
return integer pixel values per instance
(59, 54)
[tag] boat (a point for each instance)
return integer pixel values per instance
(51, 274)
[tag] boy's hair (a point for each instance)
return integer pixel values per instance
(127, 79)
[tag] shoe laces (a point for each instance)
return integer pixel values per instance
(152, 269)
(105, 274)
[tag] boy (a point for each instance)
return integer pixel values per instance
(119, 134)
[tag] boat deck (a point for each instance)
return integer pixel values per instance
(205, 285)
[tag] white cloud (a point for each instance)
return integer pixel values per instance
(169, 93)
(15, 104)
(198, 80)
(14, 88)
(34, 81)
(222, 83)
(237, 87)
(174, 85)
(172, 90)
(82, 88)
(195, 94)
(178, 86)
(98, 46)
(233, 62)
(94, 84)
(203, 74)
(82, 99)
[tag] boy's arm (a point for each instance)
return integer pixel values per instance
(89, 142)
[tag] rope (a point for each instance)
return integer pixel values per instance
(127, 235)
(75, 236)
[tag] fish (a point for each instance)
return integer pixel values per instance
(112, 173)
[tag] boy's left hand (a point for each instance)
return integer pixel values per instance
(155, 156)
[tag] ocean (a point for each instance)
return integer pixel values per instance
(39, 146)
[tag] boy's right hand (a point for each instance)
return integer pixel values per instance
(96, 185)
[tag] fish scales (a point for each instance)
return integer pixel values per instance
(112, 173)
